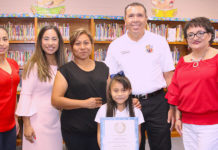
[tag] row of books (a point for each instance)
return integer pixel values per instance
(175, 54)
(108, 32)
(158, 29)
(69, 54)
(20, 56)
(104, 32)
(100, 54)
(20, 84)
(20, 31)
(216, 36)
(175, 34)
(171, 34)
(63, 28)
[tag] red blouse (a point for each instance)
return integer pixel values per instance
(195, 91)
(8, 91)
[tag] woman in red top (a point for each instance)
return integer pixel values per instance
(194, 88)
(9, 80)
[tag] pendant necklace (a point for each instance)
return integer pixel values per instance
(196, 62)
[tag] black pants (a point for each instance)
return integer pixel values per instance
(77, 141)
(8, 140)
(155, 112)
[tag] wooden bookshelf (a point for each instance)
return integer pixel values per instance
(214, 43)
(102, 42)
(177, 43)
(89, 23)
(21, 42)
(66, 42)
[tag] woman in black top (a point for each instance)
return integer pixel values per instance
(80, 89)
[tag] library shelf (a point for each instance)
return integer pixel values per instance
(215, 44)
(66, 42)
(177, 43)
(102, 42)
(99, 26)
(21, 42)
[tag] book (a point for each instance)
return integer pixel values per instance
(108, 32)
(216, 35)
(171, 35)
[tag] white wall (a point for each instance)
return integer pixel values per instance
(186, 8)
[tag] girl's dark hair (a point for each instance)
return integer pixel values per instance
(200, 22)
(111, 104)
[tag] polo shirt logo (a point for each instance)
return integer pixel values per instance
(149, 48)
(124, 52)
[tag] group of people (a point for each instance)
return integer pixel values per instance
(80, 87)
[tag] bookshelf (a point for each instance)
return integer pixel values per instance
(23, 28)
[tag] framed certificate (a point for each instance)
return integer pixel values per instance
(119, 133)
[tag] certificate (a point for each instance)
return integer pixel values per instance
(119, 133)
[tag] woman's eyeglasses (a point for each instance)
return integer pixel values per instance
(199, 34)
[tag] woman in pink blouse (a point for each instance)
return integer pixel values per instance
(194, 88)
(40, 119)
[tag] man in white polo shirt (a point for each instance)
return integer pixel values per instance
(146, 60)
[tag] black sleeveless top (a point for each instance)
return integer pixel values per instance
(83, 85)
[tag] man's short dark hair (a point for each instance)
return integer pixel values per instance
(134, 4)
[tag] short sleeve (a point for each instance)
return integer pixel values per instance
(63, 71)
(139, 115)
(111, 61)
(105, 68)
(173, 90)
(166, 57)
(26, 106)
(101, 113)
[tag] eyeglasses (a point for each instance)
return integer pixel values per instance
(199, 34)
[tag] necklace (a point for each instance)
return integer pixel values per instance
(90, 65)
(196, 62)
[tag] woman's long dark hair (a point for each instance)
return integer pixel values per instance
(111, 104)
(39, 57)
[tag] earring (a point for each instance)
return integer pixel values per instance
(189, 48)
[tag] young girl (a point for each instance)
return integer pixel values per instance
(119, 103)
